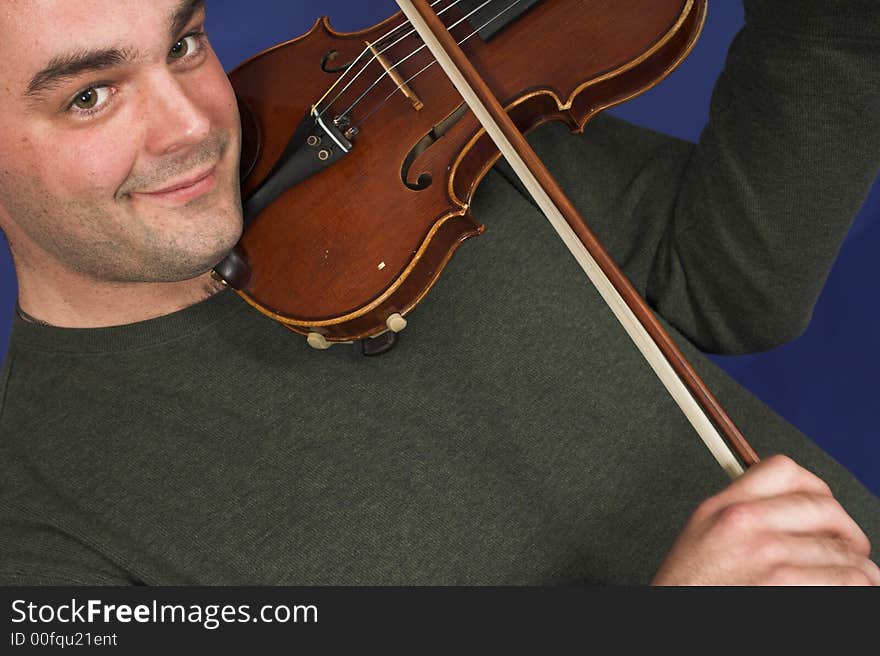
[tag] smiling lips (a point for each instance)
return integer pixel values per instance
(185, 191)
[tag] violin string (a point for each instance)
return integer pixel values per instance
(356, 60)
(425, 68)
(387, 72)
(375, 56)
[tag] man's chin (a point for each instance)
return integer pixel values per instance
(201, 268)
(179, 267)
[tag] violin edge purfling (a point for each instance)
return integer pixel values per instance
(330, 258)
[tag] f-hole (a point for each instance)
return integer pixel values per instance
(329, 58)
(425, 179)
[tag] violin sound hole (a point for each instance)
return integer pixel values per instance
(327, 63)
(424, 180)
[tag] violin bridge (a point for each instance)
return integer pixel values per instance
(395, 76)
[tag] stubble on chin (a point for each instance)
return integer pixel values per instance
(108, 243)
(209, 227)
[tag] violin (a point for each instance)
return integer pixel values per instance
(361, 154)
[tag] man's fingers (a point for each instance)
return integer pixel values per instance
(774, 476)
(811, 552)
(872, 571)
(777, 524)
(793, 514)
(848, 576)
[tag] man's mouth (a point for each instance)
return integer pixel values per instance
(185, 190)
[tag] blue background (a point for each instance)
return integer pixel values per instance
(825, 382)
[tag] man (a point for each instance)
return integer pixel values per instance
(156, 430)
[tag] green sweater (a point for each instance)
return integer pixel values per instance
(514, 435)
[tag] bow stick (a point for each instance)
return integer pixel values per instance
(701, 408)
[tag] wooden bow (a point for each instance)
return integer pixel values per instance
(697, 403)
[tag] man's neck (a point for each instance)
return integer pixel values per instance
(109, 304)
(53, 294)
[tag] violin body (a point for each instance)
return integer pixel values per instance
(366, 237)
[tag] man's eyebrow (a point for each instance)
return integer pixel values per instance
(65, 67)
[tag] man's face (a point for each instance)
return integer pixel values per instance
(115, 112)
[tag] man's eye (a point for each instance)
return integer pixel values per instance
(187, 45)
(90, 99)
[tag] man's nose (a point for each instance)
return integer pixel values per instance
(175, 118)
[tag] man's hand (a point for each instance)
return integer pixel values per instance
(777, 524)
